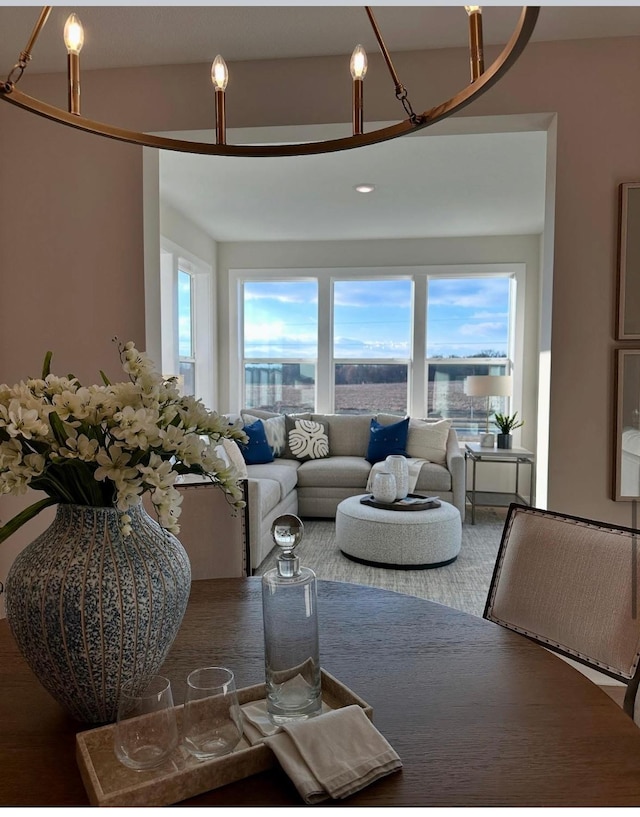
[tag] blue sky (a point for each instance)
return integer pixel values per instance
(373, 318)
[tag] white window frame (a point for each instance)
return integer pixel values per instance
(174, 258)
(417, 373)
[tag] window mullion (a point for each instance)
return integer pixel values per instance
(325, 403)
(418, 368)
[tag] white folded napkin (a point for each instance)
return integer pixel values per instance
(256, 723)
(332, 755)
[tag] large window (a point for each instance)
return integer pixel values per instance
(186, 346)
(372, 345)
(469, 329)
(280, 340)
(187, 308)
(399, 341)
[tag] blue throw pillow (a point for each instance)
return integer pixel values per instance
(257, 450)
(386, 440)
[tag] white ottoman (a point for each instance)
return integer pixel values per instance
(406, 540)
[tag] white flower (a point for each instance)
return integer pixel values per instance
(125, 524)
(72, 404)
(13, 482)
(158, 473)
(34, 465)
(109, 444)
(128, 493)
(10, 454)
(167, 504)
(137, 427)
(57, 385)
(80, 447)
(113, 464)
(21, 422)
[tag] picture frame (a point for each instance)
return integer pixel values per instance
(628, 318)
(626, 478)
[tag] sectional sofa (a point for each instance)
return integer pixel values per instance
(311, 476)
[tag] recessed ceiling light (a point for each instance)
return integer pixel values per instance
(365, 188)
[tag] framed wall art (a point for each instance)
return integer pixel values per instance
(628, 327)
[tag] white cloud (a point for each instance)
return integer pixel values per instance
(487, 328)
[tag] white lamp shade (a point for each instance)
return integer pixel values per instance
(488, 385)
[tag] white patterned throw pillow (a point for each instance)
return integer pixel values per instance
(307, 439)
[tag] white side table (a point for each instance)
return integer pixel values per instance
(510, 456)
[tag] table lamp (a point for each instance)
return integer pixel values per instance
(488, 385)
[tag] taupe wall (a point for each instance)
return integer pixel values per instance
(71, 244)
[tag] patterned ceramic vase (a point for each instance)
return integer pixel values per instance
(90, 608)
(397, 465)
(383, 487)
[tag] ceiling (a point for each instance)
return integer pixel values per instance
(426, 185)
(122, 35)
(429, 184)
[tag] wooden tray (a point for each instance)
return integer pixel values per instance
(420, 503)
(109, 783)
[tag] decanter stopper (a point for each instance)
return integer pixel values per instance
(287, 532)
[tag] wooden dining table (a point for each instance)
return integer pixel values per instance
(479, 715)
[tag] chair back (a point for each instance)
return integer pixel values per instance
(571, 584)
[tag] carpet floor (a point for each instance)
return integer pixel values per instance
(463, 584)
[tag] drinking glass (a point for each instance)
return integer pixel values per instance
(146, 728)
(211, 721)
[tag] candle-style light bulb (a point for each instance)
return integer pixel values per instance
(358, 68)
(220, 78)
(358, 64)
(219, 74)
(73, 40)
(476, 52)
(73, 34)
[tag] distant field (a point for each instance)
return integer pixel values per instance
(448, 401)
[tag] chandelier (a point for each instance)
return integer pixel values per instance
(481, 80)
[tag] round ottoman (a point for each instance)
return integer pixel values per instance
(406, 540)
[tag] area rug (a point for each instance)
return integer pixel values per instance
(462, 584)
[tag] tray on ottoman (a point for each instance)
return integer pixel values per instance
(109, 783)
(412, 502)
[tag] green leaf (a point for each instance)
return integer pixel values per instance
(24, 516)
(46, 366)
(58, 428)
(105, 379)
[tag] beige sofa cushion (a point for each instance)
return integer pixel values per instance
(269, 495)
(348, 433)
(282, 472)
(433, 478)
(339, 472)
(427, 440)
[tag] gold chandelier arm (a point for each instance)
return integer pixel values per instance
(401, 91)
(25, 55)
(383, 49)
(496, 70)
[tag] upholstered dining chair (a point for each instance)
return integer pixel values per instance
(571, 584)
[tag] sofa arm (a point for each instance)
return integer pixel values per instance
(457, 468)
